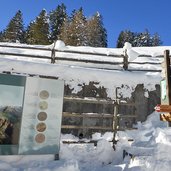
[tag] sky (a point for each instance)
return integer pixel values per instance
(118, 15)
(14, 92)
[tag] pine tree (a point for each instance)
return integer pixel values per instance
(142, 39)
(57, 18)
(138, 39)
(73, 30)
(77, 30)
(125, 36)
(96, 33)
(15, 29)
(38, 30)
(64, 34)
(1, 36)
(156, 40)
(77, 27)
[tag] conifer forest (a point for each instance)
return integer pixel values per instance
(75, 30)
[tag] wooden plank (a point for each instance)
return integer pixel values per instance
(165, 117)
(94, 127)
(87, 61)
(168, 74)
(146, 70)
(88, 100)
(81, 142)
(127, 116)
(86, 115)
(25, 55)
(143, 63)
(90, 53)
(86, 127)
(63, 51)
(26, 47)
(163, 108)
(126, 104)
(95, 101)
(85, 142)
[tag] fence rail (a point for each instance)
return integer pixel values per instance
(25, 55)
(55, 57)
(87, 115)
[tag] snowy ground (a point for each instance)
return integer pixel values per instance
(151, 150)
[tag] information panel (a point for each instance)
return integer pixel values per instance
(30, 114)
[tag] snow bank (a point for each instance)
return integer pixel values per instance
(151, 149)
(151, 146)
(71, 74)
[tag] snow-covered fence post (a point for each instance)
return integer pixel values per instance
(53, 54)
(125, 60)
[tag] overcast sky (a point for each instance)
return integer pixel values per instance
(118, 15)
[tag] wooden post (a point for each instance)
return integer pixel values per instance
(125, 61)
(56, 157)
(115, 120)
(53, 54)
(115, 123)
(168, 81)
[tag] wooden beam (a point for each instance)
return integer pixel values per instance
(168, 74)
(88, 100)
(127, 116)
(125, 61)
(25, 47)
(95, 101)
(163, 108)
(90, 53)
(25, 55)
(59, 58)
(81, 142)
(86, 127)
(86, 115)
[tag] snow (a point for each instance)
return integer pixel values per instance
(59, 44)
(105, 74)
(132, 55)
(151, 150)
(71, 75)
(151, 146)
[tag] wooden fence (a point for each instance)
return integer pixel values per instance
(57, 56)
(115, 117)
